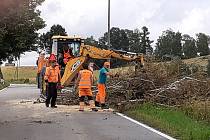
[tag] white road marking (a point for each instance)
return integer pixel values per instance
(146, 126)
(3, 89)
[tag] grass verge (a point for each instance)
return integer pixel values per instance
(6, 84)
(26, 74)
(171, 121)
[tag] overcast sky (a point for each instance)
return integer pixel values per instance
(89, 17)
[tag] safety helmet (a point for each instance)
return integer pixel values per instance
(52, 58)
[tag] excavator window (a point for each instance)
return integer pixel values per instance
(73, 46)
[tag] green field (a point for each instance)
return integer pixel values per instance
(172, 121)
(25, 74)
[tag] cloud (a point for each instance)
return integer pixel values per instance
(197, 20)
(89, 17)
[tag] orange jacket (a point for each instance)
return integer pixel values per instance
(86, 79)
(41, 62)
(52, 74)
(66, 56)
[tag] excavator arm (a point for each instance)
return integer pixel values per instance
(86, 51)
(97, 53)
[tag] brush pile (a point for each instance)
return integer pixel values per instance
(170, 84)
(163, 83)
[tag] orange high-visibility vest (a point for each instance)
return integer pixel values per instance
(41, 63)
(52, 74)
(85, 81)
(66, 56)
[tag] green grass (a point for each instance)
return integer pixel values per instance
(171, 121)
(6, 84)
(25, 74)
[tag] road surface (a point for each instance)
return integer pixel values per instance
(20, 119)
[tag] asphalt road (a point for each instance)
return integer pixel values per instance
(20, 119)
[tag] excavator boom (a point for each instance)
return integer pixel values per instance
(87, 51)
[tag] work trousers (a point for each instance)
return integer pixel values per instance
(101, 95)
(38, 80)
(51, 94)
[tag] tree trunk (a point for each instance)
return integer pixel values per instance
(1, 74)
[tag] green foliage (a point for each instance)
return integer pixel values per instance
(19, 22)
(126, 40)
(45, 40)
(91, 41)
(4, 85)
(208, 68)
(169, 44)
(21, 81)
(119, 39)
(189, 47)
(202, 44)
(198, 110)
(145, 41)
(171, 120)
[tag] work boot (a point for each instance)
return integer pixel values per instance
(104, 106)
(94, 109)
(47, 105)
(54, 106)
(81, 106)
(97, 104)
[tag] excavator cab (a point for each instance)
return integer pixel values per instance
(72, 43)
(66, 46)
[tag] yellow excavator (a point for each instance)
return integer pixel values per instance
(83, 53)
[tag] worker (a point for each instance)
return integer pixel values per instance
(84, 83)
(90, 66)
(101, 95)
(52, 79)
(67, 54)
(41, 62)
(43, 85)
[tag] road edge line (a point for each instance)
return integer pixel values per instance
(146, 126)
(3, 89)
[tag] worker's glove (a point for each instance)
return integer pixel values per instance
(59, 86)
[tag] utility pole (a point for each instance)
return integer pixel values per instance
(109, 45)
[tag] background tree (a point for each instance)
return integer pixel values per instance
(189, 47)
(145, 41)
(134, 38)
(169, 44)
(45, 40)
(118, 41)
(19, 22)
(202, 44)
(91, 41)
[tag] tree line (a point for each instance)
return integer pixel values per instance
(20, 20)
